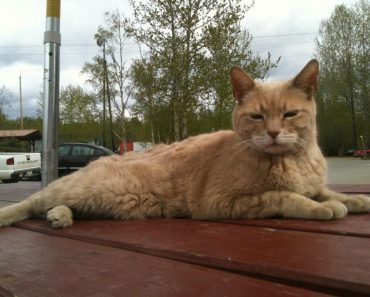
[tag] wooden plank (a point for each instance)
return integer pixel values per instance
(329, 263)
(352, 225)
(36, 265)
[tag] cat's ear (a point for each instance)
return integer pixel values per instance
(306, 80)
(241, 82)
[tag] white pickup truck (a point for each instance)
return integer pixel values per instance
(14, 166)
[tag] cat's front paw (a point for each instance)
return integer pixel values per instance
(330, 210)
(60, 217)
(357, 204)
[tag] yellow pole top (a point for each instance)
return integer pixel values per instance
(53, 8)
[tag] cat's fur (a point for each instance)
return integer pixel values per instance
(270, 165)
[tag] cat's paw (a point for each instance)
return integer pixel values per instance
(60, 217)
(357, 204)
(330, 210)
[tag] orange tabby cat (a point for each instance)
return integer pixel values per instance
(270, 165)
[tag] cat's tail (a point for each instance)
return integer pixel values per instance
(33, 205)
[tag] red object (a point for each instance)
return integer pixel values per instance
(127, 146)
(361, 153)
(130, 146)
(10, 161)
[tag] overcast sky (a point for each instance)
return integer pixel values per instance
(285, 28)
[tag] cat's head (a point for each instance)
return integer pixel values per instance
(276, 117)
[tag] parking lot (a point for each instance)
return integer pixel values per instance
(341, 171)
(348, 171)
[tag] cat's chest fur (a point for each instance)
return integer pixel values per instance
(305, 175)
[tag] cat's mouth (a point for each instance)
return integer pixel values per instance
(277, 148)
(274, 146)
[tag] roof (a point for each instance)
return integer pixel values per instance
(27, 134)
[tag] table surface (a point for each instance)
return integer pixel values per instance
(181, 257)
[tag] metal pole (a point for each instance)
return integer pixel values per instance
(52, 41)
(364, 147)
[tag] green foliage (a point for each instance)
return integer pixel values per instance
(28, 123)
(109, 74)
(79, 115)
(184, 77)
(343, 49)
(12, 145)
(5, 95)
(76, 106)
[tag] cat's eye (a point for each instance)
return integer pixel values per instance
(256, 116)
(290, 114)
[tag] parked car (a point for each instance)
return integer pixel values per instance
(362, 153)
(73, 156)
(14, 166)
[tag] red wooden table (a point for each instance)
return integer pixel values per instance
(181, 257)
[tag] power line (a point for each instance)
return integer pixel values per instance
(71, 53)
(284, 35)
(134, 43)
(283, 44)
(63, 44)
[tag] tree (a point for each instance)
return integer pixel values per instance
(96, 78)
(76, 106)
(116, 37)
(227, 44)
(112, 68)
(146, 94)
(343, 51)
(5, 95)
(361, 13)
(79, 116)
(183, 53)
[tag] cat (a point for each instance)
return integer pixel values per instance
(269, 165)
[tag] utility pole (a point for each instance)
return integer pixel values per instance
(52, 41)
(100, 40)
(20, 100)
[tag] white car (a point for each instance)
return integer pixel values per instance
(14, 166)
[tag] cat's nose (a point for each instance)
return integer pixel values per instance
(273, 133)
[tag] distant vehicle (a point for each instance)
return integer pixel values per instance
(362, 153)
(15, 166)
(73, 156)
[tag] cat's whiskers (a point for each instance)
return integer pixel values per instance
(244, 146)
(300, 144)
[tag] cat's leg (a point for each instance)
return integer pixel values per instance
(14, 213)
(287, 204)
(60, 216)
(354, 203)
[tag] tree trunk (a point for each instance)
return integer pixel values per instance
(152, 133)
(184, 125)
(352, 103)
(176, 121)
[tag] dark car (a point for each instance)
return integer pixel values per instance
(73, 156)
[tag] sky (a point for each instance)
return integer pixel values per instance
(285, 28)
